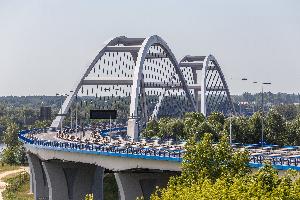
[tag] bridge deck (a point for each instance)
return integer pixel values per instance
(284, 158)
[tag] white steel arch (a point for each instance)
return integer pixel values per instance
(132, 125)
(200, 66)
(138, 47)
(71, 95)
(134, 77)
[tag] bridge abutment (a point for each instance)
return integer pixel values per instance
(133, 185)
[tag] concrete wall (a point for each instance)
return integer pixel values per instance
(133, 185)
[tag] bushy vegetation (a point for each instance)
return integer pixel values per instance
(217, 172)
(204, 159)
(15, 185)
(265, 184)
(89, 197)
(14, 153)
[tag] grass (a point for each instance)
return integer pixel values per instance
(6, 178)
(22, 190)
(5, 167)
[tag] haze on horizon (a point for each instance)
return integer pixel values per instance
(46, 45)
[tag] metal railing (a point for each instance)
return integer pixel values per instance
(256, 161)
(104, 149)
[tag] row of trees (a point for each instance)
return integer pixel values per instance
(247, 130)
(269, 97)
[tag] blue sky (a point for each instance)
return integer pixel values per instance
(46, 45)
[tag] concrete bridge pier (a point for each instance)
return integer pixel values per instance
(31, 181)
(135, 184)
(38, 180)
(73, 181)
(57, 180)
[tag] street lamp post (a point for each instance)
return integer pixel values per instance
(263, 111)
(61, 103)
(230, 129)
(76, 118)
(71, 115)
(262, 107)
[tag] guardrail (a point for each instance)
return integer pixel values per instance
(278, 162)
(104, 149)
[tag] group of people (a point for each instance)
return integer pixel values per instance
(122, 142)
(118, 141)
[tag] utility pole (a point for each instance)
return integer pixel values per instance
(76, 118)
(61, 103)
(230, 129)
(262, 107)
(262, 117)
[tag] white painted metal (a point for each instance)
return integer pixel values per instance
(203, 85)
(67, 103)
(203, 63)
(139, 49)
(132, 128)
(122, 48)
(107, 81)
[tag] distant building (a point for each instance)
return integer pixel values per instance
(45, 113)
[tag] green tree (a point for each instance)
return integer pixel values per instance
(171, 128)
(152, 129)
(176, 129)
(275, 128)
(206, 127)
(216, 117)
(255, 126)
(289, 111)
(10, 137)
(240, 129)
(192, 121)
(163, 128)
(264, 184)
(292, 135)
(40, 124)
(14, 153)
(204, 159)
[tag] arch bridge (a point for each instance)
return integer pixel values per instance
(142, 80)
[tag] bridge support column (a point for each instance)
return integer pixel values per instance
(58, 189)
(133, 185)
(132, 128)
(38, 182)
(73, 181)
(31, 181)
